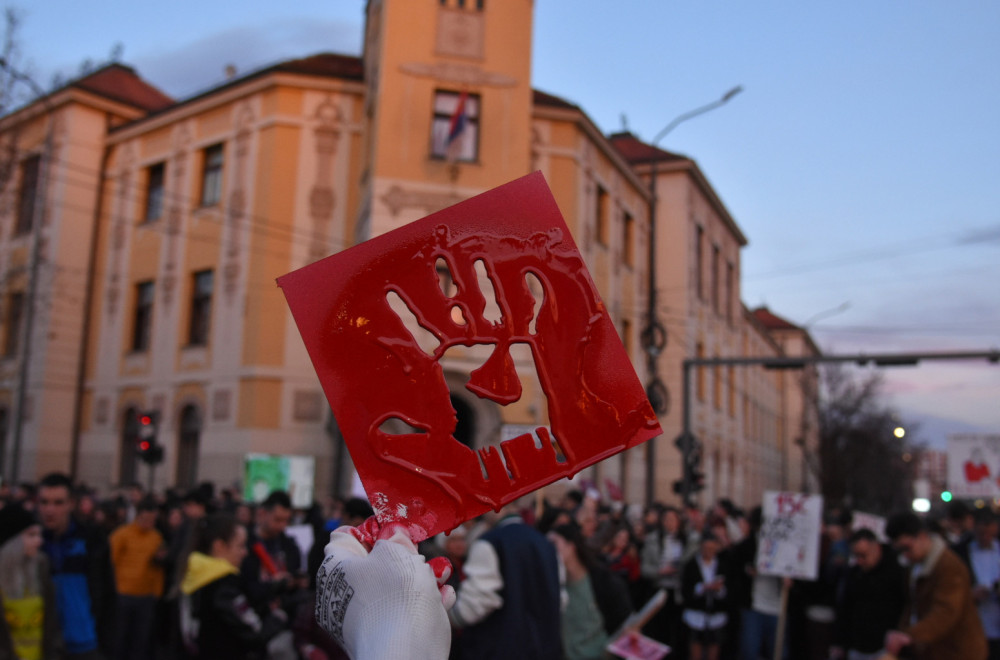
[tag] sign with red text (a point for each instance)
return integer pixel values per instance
(497, 286)
(788, 545)
(974, 465)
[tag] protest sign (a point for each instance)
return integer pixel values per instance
(377, 321)
(788, 545)
(974, 465)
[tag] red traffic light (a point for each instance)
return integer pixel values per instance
(145, 420)
(144, 445)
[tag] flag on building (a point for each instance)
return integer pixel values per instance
(456, 126)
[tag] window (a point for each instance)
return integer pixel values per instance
(154, 193)
(730, 280)
(699, 249)
(602, 222)
(455, 127)
(715, 279)
(15, 313)
(26, 196)
(143, 320)
(211, 176)
(201, 308)
(628, 239)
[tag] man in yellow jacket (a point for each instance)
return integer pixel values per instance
(137, 552)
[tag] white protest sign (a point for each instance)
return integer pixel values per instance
(974, 465)
(788, 545)
(869, 521)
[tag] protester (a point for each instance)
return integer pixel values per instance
(939, 621)
(874, 593)
(597, 598)
(272, 567)
(703, 590)
(982, 555)
(511, 584)
(80, 564)
(216, 618)
(661, 563)
(137, 554)
(30, 625)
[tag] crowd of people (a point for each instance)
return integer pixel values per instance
(203, 574)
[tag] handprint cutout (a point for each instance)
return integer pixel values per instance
(376, 321)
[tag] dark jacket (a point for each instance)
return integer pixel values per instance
(216, 617)
(871, 604)
(707, 602)
(612, 597)
(527, 626)
(52, 637)
(80, 566)
(283, 553)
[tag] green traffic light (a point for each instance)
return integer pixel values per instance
(946, 496)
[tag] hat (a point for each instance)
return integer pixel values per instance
(14, 519)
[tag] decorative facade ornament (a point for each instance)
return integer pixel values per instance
(322, 199)
(221, 405)
(459, 33)
(458, 74)
(307, 406)
(398, 198)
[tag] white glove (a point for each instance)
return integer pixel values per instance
(386, 603)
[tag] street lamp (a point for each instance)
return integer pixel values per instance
(654, 335)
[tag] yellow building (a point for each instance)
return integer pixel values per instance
(190, 210)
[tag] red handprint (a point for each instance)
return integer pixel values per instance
(350, 309)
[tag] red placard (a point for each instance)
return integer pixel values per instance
(517, 279)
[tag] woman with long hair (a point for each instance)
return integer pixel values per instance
(30, 626)
(217, 620)
(598, 599)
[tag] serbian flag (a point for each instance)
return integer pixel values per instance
(456, 126)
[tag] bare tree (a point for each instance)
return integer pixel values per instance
(864, 465)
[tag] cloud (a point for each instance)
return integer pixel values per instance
(198, 65)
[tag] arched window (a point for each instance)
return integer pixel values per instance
(127, 453)
(188, 441)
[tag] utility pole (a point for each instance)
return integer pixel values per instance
(654, 335)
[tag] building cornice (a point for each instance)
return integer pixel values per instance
(229, 95)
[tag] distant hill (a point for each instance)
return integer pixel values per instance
(933, 431)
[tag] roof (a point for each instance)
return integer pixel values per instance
(323, 64)
(327, 65)
(772, 321)
(121, 83)
(636, 152)
(543, 98)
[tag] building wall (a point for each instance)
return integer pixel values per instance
(311, 165)
(287, 196)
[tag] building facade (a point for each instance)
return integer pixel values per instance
(193, 208)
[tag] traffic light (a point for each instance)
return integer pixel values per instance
(146, 446)
(692, 478)
(946, 496)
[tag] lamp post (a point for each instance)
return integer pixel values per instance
(654, 335)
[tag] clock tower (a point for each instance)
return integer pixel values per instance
(448, 104)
